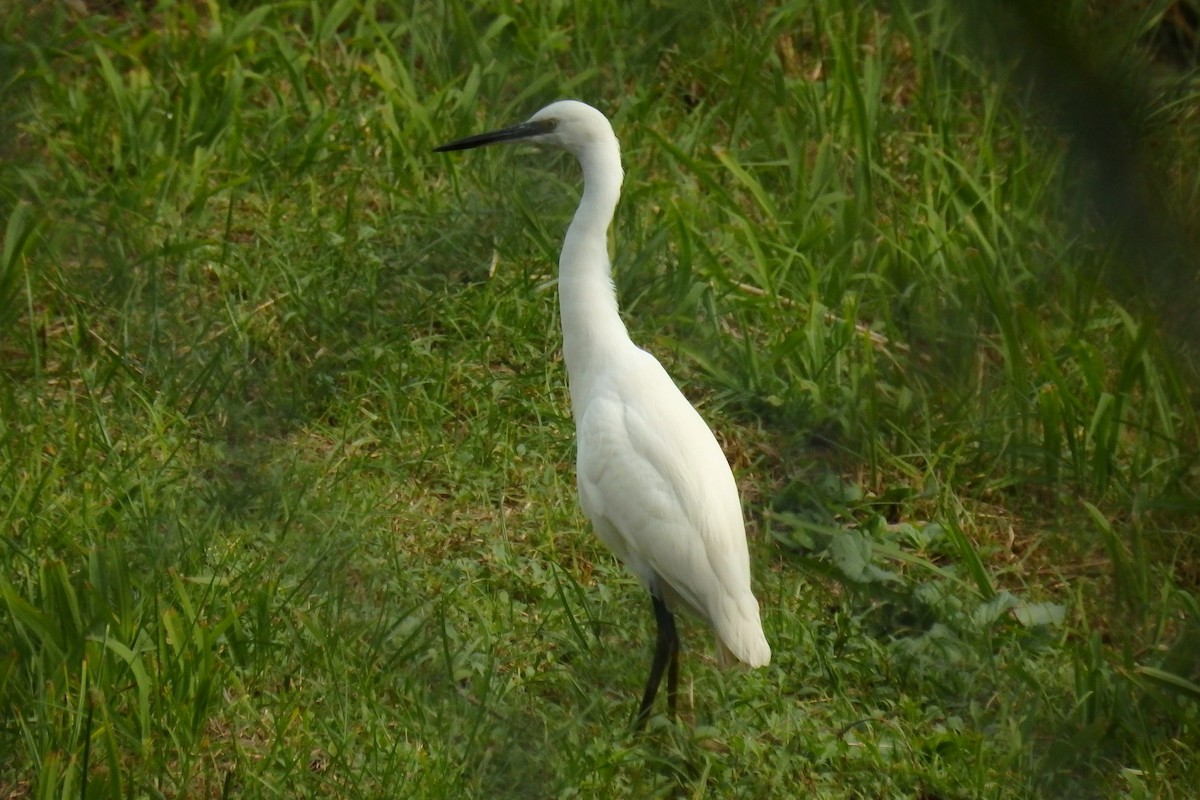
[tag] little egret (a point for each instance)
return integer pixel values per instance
(652, 478)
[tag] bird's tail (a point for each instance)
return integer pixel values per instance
(743, 643)
(725, 657)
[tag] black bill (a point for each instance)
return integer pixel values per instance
(525, 130)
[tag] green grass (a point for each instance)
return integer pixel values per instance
(286, 458)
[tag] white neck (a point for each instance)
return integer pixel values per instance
(591, 325)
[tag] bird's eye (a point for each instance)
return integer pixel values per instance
(542, 126)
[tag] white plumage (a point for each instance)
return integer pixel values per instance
(652, 478)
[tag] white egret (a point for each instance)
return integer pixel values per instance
(652, 478)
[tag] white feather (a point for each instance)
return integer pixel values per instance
(652, 478)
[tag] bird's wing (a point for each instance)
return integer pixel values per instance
(659, 491)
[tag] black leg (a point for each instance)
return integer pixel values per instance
(672, 679)
(666, 656)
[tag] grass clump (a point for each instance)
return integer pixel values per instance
(288, 504)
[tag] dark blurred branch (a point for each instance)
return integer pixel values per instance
(1096, 102)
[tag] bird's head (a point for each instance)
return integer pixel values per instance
(567, 124)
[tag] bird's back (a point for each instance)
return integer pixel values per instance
(659, 492)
